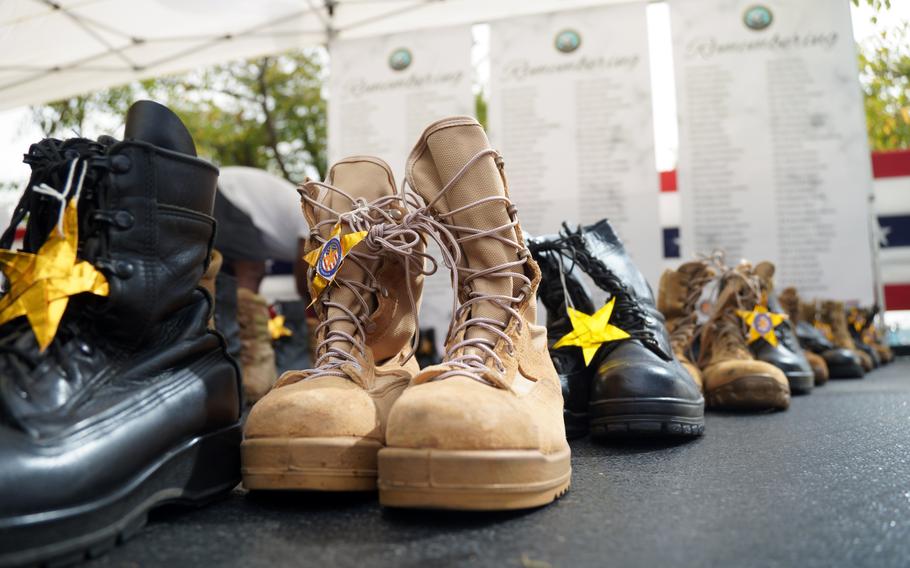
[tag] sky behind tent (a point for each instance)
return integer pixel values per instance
(17, 130)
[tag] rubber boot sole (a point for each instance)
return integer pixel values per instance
(310, 464)
(472, 480)
(193, 473)
(801, 382)
(624, 417)
(750, 393)
(848, 371)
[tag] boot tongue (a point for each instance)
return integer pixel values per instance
(450, 144)
(361, 178)
(156, 124)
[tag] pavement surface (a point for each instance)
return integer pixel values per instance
(826, 483)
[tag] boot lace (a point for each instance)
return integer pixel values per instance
(389, 233)
(724, 332)
(474, 355)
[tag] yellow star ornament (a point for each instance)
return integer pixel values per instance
(761, 324)
(327, 259)
(277, 329)
(590, 332)
(41, 284)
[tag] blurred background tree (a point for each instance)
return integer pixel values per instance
(265, 113)
(885, 74)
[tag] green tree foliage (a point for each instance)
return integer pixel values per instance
(266, 113)
(885, 75)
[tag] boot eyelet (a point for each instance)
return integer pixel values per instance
(124, 220)
(384, 292)
(124, 269)
(121, 164)
(85, 348)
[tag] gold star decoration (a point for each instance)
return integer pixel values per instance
(41, 284)
(327, 259)
(761, 323)
(277, 329)
(590, 332)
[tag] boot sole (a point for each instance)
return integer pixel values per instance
(310, 464)
(647, 417)
(750, 393)
(193, 473)
(846, 372)
(801, 383)
(472, 480)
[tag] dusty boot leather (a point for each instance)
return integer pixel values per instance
(483, 429)
(841, 363)
(733, 378)
(834, 315)
(134, 403)
(257, 357)
(787, 355)
(321, 428)
(819, 367)
(574, 375)
(639, 387)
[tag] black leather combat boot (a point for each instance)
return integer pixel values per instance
(134, 403)
(639, 387)
(787, 354)
(574, 375)
(842, 363)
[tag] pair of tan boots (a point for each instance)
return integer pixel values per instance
(481, 430)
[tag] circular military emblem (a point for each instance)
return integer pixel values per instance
(762, 323)
(757, 17)
(400, 59)
(705, 307)
(567, 41)
(329, 258)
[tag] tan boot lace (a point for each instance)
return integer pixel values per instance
(386, 235)
(723, 334)
(474, 354)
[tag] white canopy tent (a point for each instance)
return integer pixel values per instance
(53, 49)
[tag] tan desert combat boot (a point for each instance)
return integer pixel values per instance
(321, 428)
(834, 315)
(257, 357)
(483, 430)
(680, 299)
(733, 378)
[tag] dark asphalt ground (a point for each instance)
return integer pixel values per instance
(826, 483)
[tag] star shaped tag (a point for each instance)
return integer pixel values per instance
(277, 329)
(327, 259)
(41, 284)
(590, 332)
(761, 323)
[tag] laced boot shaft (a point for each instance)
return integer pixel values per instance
(373, 299)
(834, 315)
(680, 293)
(464, 187)
(722, 337)
(789, 300)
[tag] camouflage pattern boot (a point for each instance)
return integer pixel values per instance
(321, 428)
(483, 429)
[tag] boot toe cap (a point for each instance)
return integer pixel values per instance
(460, 413)
(843, 363)
(632, 371)
(320, 407)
